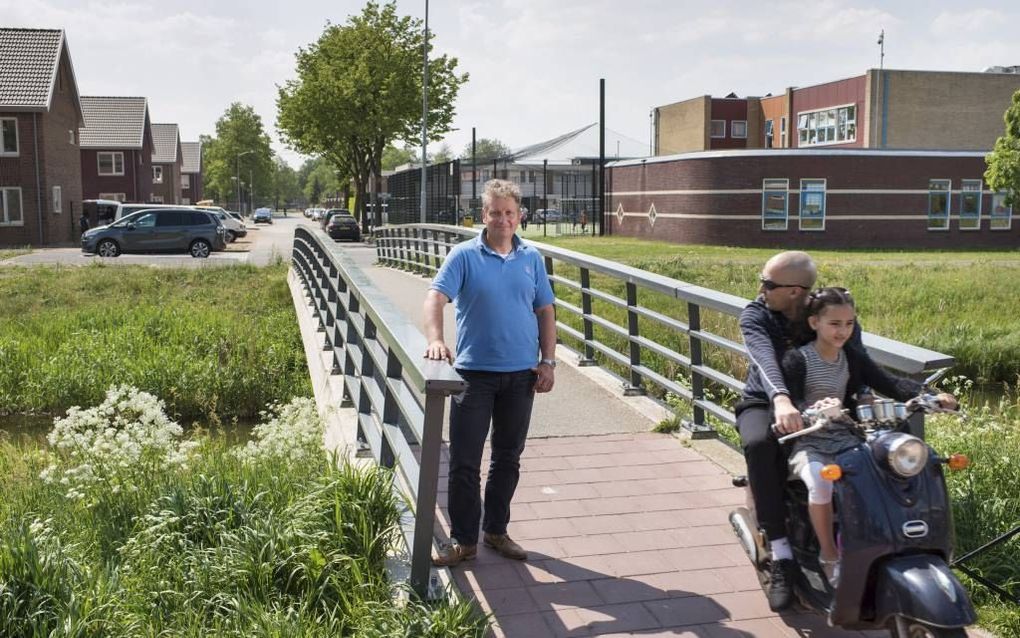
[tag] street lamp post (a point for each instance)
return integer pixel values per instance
(238, 173)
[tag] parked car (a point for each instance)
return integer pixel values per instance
(262, 216)
(326, 216)
(196, 232)
(548, 215)
(235, 227)
(343, 226)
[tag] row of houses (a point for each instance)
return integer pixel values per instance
(59, 148)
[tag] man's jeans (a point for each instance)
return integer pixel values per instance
(505, 399)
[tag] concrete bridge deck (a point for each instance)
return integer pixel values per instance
(626, 529)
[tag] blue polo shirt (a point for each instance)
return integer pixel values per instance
(495, 299)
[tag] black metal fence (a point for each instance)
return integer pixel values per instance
(402, 198)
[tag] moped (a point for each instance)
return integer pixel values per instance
(893, 527)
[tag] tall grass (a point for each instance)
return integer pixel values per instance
(227, 545)
(7, 253)
(214, 343)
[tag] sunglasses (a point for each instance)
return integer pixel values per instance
(768, 284)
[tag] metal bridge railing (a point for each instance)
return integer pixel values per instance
(399, 395)
(613, 300)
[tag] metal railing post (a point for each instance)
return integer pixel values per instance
(636, 384)
(588, 358)
(697, 381)
(428, 480)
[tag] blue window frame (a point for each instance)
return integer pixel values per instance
(939, 191)
(812, 204)
(775, 204)
(1001, 215)
(970, 204)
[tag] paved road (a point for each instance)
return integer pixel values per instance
(262, 245)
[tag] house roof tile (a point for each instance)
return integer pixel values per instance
(28, 66)
(113, 122)
(165, 138)
(192, 155)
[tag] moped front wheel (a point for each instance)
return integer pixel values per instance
(906, 628)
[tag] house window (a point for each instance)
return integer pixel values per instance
(8, 136)
(58, 206)
(782, 132)
(774, 195)
(1001, 215)
(117, 197)
(156, 199)
(10, 207)
(157, 174)
(111, 163)
(185, 200)
(738, 129)
(970, 204)
(768, 133)
(812, 204)
(938, 203)
(70, 136)
(837, 125)
(185, 181)
(717, 128)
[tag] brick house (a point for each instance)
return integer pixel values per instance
(882, 109)
(167, 162)
(116, 149)
(40, 114)
(191, 172)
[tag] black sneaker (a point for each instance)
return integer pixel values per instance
(782, 574)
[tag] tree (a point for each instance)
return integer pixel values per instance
(324, 181)
(285, 183)
(1003, 172)
(444, 154)
(359, 88)
(239, 130)
(393, 157)
(486, 150)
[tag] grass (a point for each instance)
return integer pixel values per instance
(7, 253)
(221, 547)
(214, 343)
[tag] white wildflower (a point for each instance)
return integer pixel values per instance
(293, 433)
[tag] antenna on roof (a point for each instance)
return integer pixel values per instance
(881, 50)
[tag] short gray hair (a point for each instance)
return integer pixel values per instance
(500, 188)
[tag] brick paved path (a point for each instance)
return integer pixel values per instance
(627, 535)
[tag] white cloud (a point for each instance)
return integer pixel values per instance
(950, 23)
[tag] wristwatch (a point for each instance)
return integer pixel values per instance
(549, 362)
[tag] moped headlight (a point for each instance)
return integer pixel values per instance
(906, 455)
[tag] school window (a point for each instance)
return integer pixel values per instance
(738, 129)
(717, 128)
(938, 204)
(970, 204)
(157, 174)
(768, 133)
(70, 137)
(774, 200)
(156, 199)
(812, 204)
(8, 136)
(117, 197)
(58, 206)
(185, 181)
(837, 125)
(782, 132)
(10, 207)
(111, 163)
(1001, 215)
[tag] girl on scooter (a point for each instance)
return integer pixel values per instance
(822, 374)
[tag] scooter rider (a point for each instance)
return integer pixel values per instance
(768, 328)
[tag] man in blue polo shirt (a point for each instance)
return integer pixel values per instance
(505, 319)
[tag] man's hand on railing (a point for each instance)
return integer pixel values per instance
(437, 351)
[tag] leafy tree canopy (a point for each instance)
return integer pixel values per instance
(359, 88)
(241, 145)
(1003, 172)
(486, 149)
(393, 157)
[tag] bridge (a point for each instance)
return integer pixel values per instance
(626, 529)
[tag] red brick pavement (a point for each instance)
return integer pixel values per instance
(627, 535)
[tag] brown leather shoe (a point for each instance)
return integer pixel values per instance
(454, 553)
(505, 546)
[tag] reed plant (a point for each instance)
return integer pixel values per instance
(214, 343)
(221, 541)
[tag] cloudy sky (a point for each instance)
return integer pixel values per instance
(534, 64)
